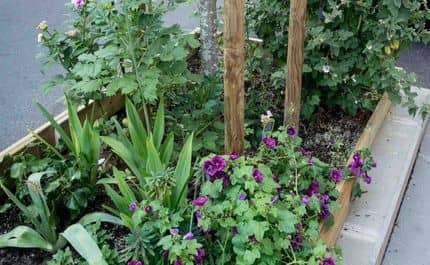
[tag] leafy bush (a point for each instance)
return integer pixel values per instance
(351, 48)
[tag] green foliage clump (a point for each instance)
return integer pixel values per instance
(351, 48)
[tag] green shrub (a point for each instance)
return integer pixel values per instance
(350, 50)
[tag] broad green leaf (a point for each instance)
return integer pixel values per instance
(159, 125)
(75, 127)
(84, 244)
(138, 133)
(100, 217)
(24, 237)
(166, 149)
(153, 162)
(182, 173)
(125, 189)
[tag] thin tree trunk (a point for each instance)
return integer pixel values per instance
(208, 33)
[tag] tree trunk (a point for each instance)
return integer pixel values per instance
(208, 33)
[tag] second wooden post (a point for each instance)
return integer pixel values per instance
(234, 95)
(296, 33)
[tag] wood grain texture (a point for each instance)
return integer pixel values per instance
(296, 37)
(108, 106)
(330, 234)
(234, 95)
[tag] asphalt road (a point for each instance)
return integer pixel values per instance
(20, 75)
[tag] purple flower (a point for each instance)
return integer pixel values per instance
(148, 209)
(291, 131)
(313, 188)
(188, 236)
(276, 179)
(269, 142)
(304, 152)
(310, 161)
(252, 239)
(296, 241)
(177, 261)
(132, 206)
(174, 231)
(299, 227)
(336, 174)
(134, 262)
(328, 261)
(200, 201)
(324, 209)
(234, 156)
(367, 179)
(373, 164)
(242, 196)
(198, 257)
(78, 3)
(234, 230)
(258, 175)
(198, 215)
(275, 199)
(305, 199)
(211, 167)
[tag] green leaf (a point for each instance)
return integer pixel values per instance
(88, 86)
(159, 125)
(182, 173)
(138, 132)
(126, 84)
(17, 170)
(100, 217)
(153, 162)
(250, 256)
(84, 244)
(24, 237)
(166, 149)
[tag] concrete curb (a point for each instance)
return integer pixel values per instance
(369, 224)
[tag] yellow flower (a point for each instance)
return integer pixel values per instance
(43, 25)
(395, 44)
(387, 50)
(39, 37)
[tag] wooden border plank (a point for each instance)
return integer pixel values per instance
(108, 106)
(330, 234)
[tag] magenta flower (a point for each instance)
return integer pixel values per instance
(198, 257)
(276, 179)
(78, 3)
(234, 230)
(313, 188)
(367, 179)
(324, 206)
(296, 241)
(177, 261)
(269, 142)
(258, 175)
(132, 206)
(291, 131)
(189, 236)
(198, 215)
(328, 261)
(336, 174)
(305, 199)
(234, 156)
(174, 231)
(211, 167)
(148, 209)
(200, 201)
(134, 262)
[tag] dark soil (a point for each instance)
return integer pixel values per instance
(16, 256)
(332, 134)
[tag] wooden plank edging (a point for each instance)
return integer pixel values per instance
(330, 234)
(108, 106)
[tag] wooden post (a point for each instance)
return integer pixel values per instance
(234, 99)
(296, 32)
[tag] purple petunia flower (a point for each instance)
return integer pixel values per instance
(305, 199)
(328, 261)
(234, 230)
(291, 131)
(78, 3)
(234, 156)
(212, 166)
(242, 196)
(324, 206)
(148, 209)
(200, 201)
(174, 231)
(313, 188)
(336, 174)
(177, 261)
(134, 262)
(188, 236)
(132, 206)
(258, 175)
(276, 179)
(198, 257)
(269, 142)
(296, 241)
